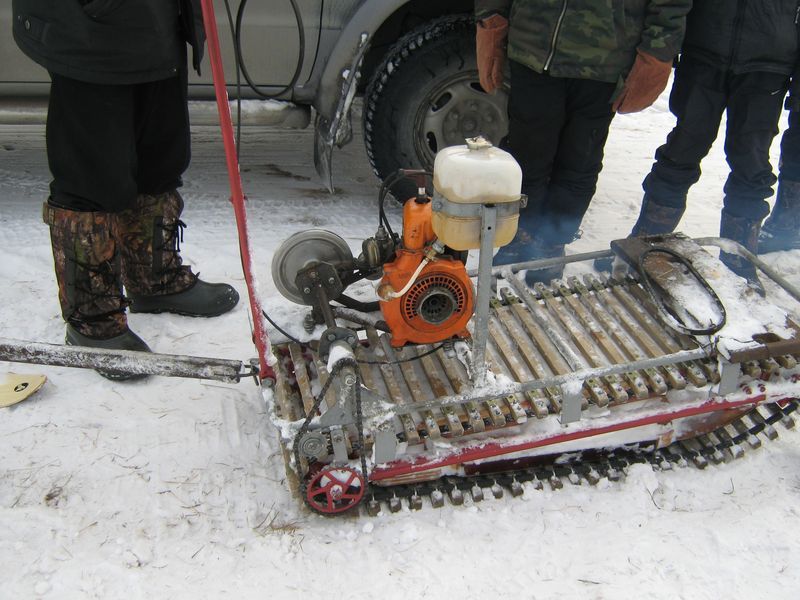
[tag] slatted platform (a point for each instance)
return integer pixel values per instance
(536, 335)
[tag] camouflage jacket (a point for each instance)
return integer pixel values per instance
(589, 39)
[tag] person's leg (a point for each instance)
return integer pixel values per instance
(578, 160)
(781, 230)
(698, 99)
(91, 157)
(576, 167)
(536, 112)
(155, 278)
(754, 108)
(163, 143)
(91, 147)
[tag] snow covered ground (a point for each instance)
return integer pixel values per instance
(176, 488)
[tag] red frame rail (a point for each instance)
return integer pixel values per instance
(260, 337)
(494, 449)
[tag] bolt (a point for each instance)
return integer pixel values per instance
(351, 340)
(336, 492)
(331, 281)
(309, 323)
(331, 337)
(306, 290)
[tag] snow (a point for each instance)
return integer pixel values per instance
(175, 488)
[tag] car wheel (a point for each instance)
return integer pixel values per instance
(425, 96)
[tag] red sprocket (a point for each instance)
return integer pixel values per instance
(334, 490)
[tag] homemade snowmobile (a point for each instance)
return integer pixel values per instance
(470, 381)
(453, 389)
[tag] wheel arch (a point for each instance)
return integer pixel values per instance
(386, 21)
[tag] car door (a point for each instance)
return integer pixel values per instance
(19, 75)
(269, 43)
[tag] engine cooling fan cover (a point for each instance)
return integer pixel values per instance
(439, 303)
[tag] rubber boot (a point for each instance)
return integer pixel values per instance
(89, 285)
(519, 249)
(526, 247)
(781, 230)
(744, 231)
(542, 250)
(654, 219)
(155, 278)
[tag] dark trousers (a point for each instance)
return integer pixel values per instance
(700, 94)
(789, 167)
(108, 143)
(557, 130)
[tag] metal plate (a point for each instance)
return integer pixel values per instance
(302, 249)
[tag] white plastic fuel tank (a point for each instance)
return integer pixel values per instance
(474, 174)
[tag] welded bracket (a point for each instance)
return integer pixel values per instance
(571, 402)
(729, 374)
(339, 445)
(386, 445)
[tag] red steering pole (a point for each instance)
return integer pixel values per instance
(235, 181)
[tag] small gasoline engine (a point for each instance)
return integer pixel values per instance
(424, 294)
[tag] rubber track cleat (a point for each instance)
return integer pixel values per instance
(456, 496)
(477, 493)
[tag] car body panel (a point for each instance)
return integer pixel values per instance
(269, 49)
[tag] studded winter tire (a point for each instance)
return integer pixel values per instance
(425, 96)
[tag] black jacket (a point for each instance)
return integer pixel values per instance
(109, 41)
(744, 35)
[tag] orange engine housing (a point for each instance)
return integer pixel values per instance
(440, 302)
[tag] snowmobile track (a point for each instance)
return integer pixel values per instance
(722, 445)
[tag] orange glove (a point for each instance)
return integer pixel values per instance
(490, 47)
(644, 83)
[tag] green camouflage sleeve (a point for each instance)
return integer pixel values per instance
(664, 27)
(486, 8)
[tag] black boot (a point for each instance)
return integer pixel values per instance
(744, 231)
(654, 219)
(781, 230)
(89, 286)
(155, 278)
(526, 247)
(543, 249)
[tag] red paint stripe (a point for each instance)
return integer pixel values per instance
(494, 449)
(235, 182)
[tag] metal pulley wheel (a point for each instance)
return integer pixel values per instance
(302, 250)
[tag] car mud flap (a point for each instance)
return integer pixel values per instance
(338, 128)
